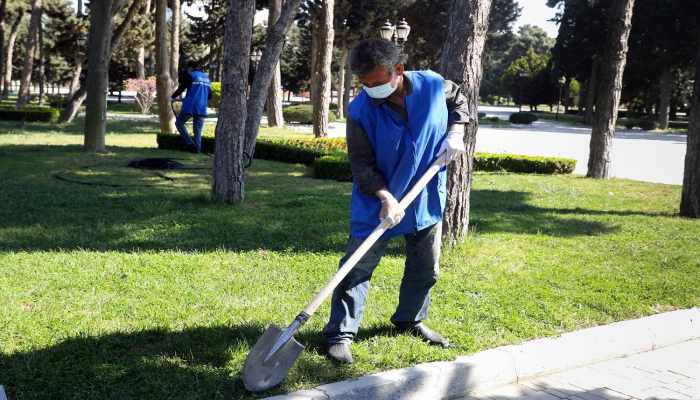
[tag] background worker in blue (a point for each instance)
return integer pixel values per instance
(194, 105)
(397, 127)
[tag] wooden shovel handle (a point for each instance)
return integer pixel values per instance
(372, 238)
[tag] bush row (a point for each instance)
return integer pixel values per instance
(29, 114)
(330, 164)
(522, 118)
(290, 151)
(303, 114)
(337, 166)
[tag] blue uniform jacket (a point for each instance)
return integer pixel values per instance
(404, 151)
(195, 102)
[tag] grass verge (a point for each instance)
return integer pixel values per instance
(157, 292)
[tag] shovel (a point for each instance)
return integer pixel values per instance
(273, 355)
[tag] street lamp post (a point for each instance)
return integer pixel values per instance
(255, 57)
(523, 74)
(562, 80)
(396, 33)
(81, 40)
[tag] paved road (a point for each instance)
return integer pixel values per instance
(671, 372)
(638, 155)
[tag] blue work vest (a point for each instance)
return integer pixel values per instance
(196, 99)
(404, 151)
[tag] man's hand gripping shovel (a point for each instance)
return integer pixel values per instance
(276, 351)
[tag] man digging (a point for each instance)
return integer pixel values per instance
(397, 127)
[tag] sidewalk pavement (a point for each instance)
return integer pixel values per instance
(671, 372)
(607, 353)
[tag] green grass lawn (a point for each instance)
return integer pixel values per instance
(155, 292)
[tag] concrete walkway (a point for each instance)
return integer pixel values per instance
(671, 372)
(600, 362)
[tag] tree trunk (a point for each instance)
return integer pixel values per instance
(341, 81)
(274, 97)
(237, 129)
(591, 92)
(42, 62)
(8, 57)
(690, 197)
(610, 88)
(348, 87)
(229, 173)
(164, 86)
(461, 63)
(77, 70)
(263, 75)
(665, 105)
(25, 81)
(581, 96)
(102, 19)
(567, 93)
(77, 99)
(141, 58)
(3, 20)
(322, 95)
(174, 41)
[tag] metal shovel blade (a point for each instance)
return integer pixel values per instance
(259, 375)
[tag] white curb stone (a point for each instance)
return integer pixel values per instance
(510, 364)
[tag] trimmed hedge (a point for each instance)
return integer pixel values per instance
(290, 151)
(334, 167)
(303, 114)
(331, 162)
(522, 118)
(648, 125)
(523, 164)
(29, 114)
(215, 100)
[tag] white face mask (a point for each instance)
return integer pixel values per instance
(381, 91)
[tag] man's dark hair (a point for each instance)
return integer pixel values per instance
(371, 53)
(193, 64)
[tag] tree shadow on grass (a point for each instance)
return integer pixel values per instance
(77, 127)
(284, 208)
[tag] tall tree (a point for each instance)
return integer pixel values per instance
(238, 125)
(690, 197)
(3, 21)
(42, 62)
(145, 13)
(321, 79)
(8, 54)
(25, 81)
(164, 84)
(113, 39)
(462, 64)
(610, 88)
(274, 95)
(174, 40)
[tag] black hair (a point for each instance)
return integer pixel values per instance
(371, 53)
(193, 65)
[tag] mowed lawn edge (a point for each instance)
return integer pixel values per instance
(156, 292)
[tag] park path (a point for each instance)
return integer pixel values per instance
(671, 372)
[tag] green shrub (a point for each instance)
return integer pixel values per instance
(678, 125)
(523, 164)
(494, 119)
(334, 167)
(481, 115)
(29, 114)
(303, 114)
(649, 125)
(630, 125)
(215, 100)
(522, 118)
